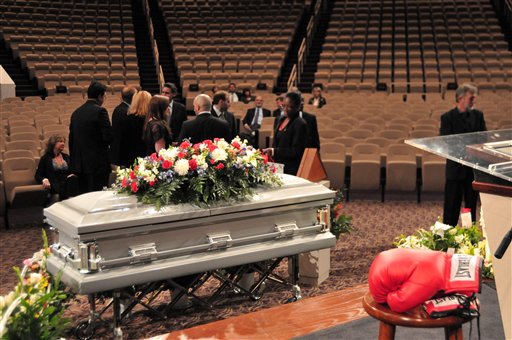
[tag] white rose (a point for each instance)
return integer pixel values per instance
(34, 278)
(181, 167)
(219, 155)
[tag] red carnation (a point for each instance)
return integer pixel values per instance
(212, 147)
(265, 159)
(184, 145)
(207, 142)
(216, 139)
(192, 164)
(212, 161)
(153, 156)
(166, 164)
(124, 182)
(132, 175)
(135, 188)
(236, 145)
(196, 146)
(181, 155)
(151, 183)
(219, 166)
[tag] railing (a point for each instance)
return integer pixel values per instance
(154, 45)
(292, 80)
(308, 40)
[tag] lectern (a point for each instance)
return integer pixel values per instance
(489, 153)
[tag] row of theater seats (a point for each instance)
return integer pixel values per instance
(70, 47)
(235, 37)
(432, 42)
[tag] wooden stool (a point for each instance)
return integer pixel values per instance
(415, 317)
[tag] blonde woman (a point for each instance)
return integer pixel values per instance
(132, 144)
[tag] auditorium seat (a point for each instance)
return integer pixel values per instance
(401, 168)
(365, 167)
(333, 158)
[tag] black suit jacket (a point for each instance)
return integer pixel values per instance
(313, 138)
(276, 113)
(204, 126)
(231, 120)
(178, 116)
(321, 101)
(249, 115)
(118, 117)
(90, 135)
(453, 122)
(289, 144)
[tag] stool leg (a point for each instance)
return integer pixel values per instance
(386, 331)
(453, 333)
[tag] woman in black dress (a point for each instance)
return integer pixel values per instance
(53, 170)
(156, 130)
(290, 136)
(132, 145)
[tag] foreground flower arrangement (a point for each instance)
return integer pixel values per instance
(340, 223)
(198, 173)
(34, 309)
(442, 237)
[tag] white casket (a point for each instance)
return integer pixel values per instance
(108, 241)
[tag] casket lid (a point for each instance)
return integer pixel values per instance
(108, 210)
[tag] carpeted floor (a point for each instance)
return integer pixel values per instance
(376, 225)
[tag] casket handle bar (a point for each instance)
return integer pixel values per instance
(286, 229)
(219, 241)
(143, 253)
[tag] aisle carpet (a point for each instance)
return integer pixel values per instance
(376, 225)
(491, 327)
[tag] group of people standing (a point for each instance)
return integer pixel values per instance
(143, 124)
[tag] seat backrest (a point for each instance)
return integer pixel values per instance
(24, 145)
(333, 151)
(17, 153)
(31, 135)
(401, 152)
(18, 171)
(366, 151)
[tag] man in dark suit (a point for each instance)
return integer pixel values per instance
(90, 135)
(220, 108)
(204, 126)
(463, 118)
(233, 95)
(177, 112)
(279, 111)
(118, 116)
(252, 121)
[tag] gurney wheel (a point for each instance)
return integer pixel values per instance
(84, 330)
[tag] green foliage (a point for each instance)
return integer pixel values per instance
(340, 223)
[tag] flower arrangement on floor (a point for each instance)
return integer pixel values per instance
(198, 173)
(34, 309)
(442, 237)
(340, 223)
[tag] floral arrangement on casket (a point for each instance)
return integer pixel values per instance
(198, 173)
(340, 222)
(470, 241)
(35, 308)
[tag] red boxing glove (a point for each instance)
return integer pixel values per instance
(405, 278)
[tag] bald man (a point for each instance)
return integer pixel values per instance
(205, 126)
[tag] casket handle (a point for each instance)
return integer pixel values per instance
(219, 241)
(286, 229)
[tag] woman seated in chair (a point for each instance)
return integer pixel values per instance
(53, 170)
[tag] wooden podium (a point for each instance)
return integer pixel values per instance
(497, 219)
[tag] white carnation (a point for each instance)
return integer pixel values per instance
(219, 155)
(459, 239)
(168, 154)
(181, 167)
